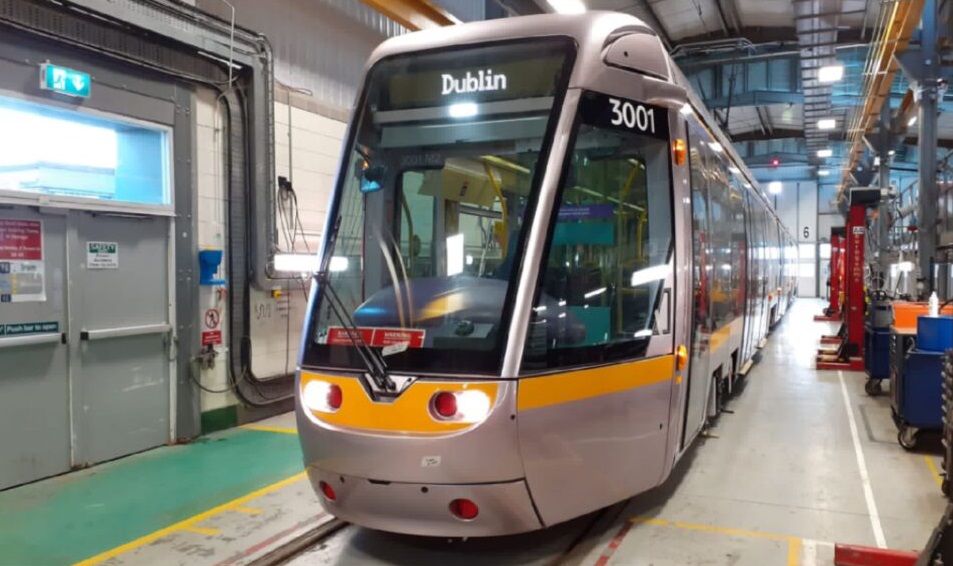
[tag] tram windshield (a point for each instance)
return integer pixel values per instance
(432, 205)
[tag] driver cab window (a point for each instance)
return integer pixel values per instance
(609, 248)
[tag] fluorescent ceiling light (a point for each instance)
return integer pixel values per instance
(686, 109)
(774, 187)
(825, 152)
(747, 185)
(302, 263)
(830, 73)
(877, 161)
(891, 152)
(715, 146)
(826, 124)
(455, 256)
(912, 121)
(463, 110)
(568, 6)
(823, 172)
(734, 169)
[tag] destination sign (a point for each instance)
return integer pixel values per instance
(499, 72)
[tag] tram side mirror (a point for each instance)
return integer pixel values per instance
(372, 179)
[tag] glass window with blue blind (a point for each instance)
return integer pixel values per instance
(55, 152)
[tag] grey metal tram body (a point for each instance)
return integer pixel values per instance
(543, 270)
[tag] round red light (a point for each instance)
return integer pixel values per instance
(328, 491)
(445, 404)
(335, 396)
(464, 509)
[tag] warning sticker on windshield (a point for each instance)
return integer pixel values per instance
(377, 337)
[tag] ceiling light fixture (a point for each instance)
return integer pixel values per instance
(830, 73)
(826, 124)
(825, 152)
(911, 121)
(774, 187)
(568, 6)
(823, 172)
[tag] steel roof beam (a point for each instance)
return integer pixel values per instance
(903, 19)
(770, 35)
(830, 14)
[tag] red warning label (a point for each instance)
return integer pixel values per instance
(211, 337)
(378, 337)
(21, 240)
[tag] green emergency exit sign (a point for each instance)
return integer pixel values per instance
(65, 81)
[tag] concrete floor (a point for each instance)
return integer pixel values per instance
(777, 483)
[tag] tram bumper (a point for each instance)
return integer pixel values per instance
(425, 509)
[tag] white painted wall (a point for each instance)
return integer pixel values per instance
(309, 158)
(212, 234)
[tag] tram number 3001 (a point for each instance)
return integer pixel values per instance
(632, 116)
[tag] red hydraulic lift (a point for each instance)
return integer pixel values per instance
(849, 354)
(833, 311)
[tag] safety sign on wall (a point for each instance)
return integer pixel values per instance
(211, 335)
(21, 261)
(102, 255)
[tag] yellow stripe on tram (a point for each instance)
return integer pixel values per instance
(548, 390)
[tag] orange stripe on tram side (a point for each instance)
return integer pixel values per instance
(548, 390)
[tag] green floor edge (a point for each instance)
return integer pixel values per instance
(222, 418)
(76, 516)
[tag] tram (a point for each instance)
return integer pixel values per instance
(544, 269)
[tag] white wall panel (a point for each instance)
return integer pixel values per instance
(806, 212)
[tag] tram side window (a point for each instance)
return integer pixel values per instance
(723, 263)
(609, 252)
(739, 248)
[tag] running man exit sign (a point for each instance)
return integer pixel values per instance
(65, 81)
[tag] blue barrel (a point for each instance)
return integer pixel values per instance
(934, 333)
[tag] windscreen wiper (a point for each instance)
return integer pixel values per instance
(373, 360)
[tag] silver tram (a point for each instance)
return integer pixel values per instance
(543, 270)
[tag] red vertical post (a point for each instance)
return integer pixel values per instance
(835, 275)
(854, 314)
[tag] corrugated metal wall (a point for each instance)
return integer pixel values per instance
(319, 45)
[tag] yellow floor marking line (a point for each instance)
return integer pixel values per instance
(144, 540)
(202, 530)
(794, 543)
(936, 473)
(246, 510)
(265, 428)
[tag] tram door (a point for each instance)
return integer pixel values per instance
(699, 370)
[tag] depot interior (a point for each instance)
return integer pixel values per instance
(166, 170)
